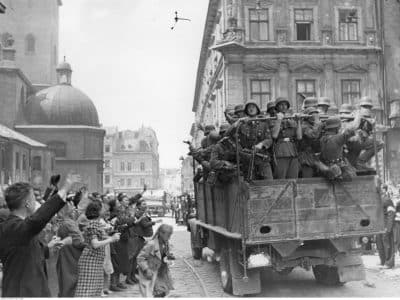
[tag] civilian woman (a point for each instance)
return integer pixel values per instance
(90, 266)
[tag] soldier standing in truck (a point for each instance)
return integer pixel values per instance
(285, 134)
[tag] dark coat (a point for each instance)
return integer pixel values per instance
(23, 254)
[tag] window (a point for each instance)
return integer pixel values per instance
(129, 166)
(24, 162)
(303, 19)
(348, 25)
(107, 163)
(59, 148)
(122, 182)
(142, 166)
(122, 147)
(259, 25)
(107, 179)
(350, 91)
(260, 91)
(122, 166)
(129, 182)
(143, 146)
(107, 148)
(306, 87)
(30, 44)
(37, 163)
(17, 162)
(142, 181)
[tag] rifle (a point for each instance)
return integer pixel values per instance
(245, 153)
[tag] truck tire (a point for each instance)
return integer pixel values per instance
(327, 275)
(196, 251)
(225, 272)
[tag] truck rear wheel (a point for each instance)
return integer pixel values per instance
(327, 275)
(225, 272)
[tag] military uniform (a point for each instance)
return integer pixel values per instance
(332, 146)
(307, 146)
(223, 159)
(385, 241)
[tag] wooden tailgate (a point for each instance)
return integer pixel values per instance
(313, 208)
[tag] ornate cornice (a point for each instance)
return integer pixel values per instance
(351, 69)
(260, 67)
(307, 68)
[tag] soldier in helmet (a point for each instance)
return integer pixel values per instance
(230, 114)
(271, 111)
(309, 102)
(323, 105)
(255, 138)
(205, 142)
(361, 147)
(286, 132)
(308, 145)
(366, 105)
(332, 146)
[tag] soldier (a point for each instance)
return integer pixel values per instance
(230, 114)
(312, 130)
(255, 138)
(205, 142)
(309, 102)
(285, 134)
(271, 110)
(323, 105)
(223, 156)
(332, 146)
(385, 241)
(366, 104)
(361, 147)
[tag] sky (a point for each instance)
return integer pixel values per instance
(136, 70)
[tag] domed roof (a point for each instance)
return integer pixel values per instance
(64, 66)
(62, 104)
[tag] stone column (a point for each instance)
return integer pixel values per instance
(234, 84)
(373, 84)
(283, 78)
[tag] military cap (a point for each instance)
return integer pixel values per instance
(324, 101)
(251, 102)
(346, 108)
(311, 110)
(209, 128)
(224, 127)
(310, 102)
(270, 104)
(366, 101)
(333, 122)
(239, 108)
(282, 100)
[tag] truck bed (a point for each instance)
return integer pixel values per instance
(299, 209)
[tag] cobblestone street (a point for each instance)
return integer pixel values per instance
(299, 283)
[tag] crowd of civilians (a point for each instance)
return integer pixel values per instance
(97, 244)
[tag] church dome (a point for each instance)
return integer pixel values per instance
(61, 104)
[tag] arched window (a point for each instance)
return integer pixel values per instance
(30, 44)
(59, 148)
(143, 146)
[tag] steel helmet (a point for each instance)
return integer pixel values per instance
(214, 136)
(229, 108)
(333, 122)
(270, 104)
(282, 100)
(251, 102)
(366, 101)
(224, 128)
(239, 108)
(346, 108)
(311, 110)
(310, 102)
(324, 101)
(208, 129)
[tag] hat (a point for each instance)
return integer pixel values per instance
(366, 101)
(251, 102)
(281, 100)
(311, 110)
(346, 108)
(310, 102)
(224, 127)
(239, 108)
(214, 136)
(333, 122)
(209, 128)
(324, 101)
(270, 104)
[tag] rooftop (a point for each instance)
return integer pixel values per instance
(19, 137)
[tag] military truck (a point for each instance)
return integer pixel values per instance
(282, 224)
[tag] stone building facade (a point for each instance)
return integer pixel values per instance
(131, 160)
(33, 26)
(187, 175)
(262, 50)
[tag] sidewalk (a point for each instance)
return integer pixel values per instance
(372, 263)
